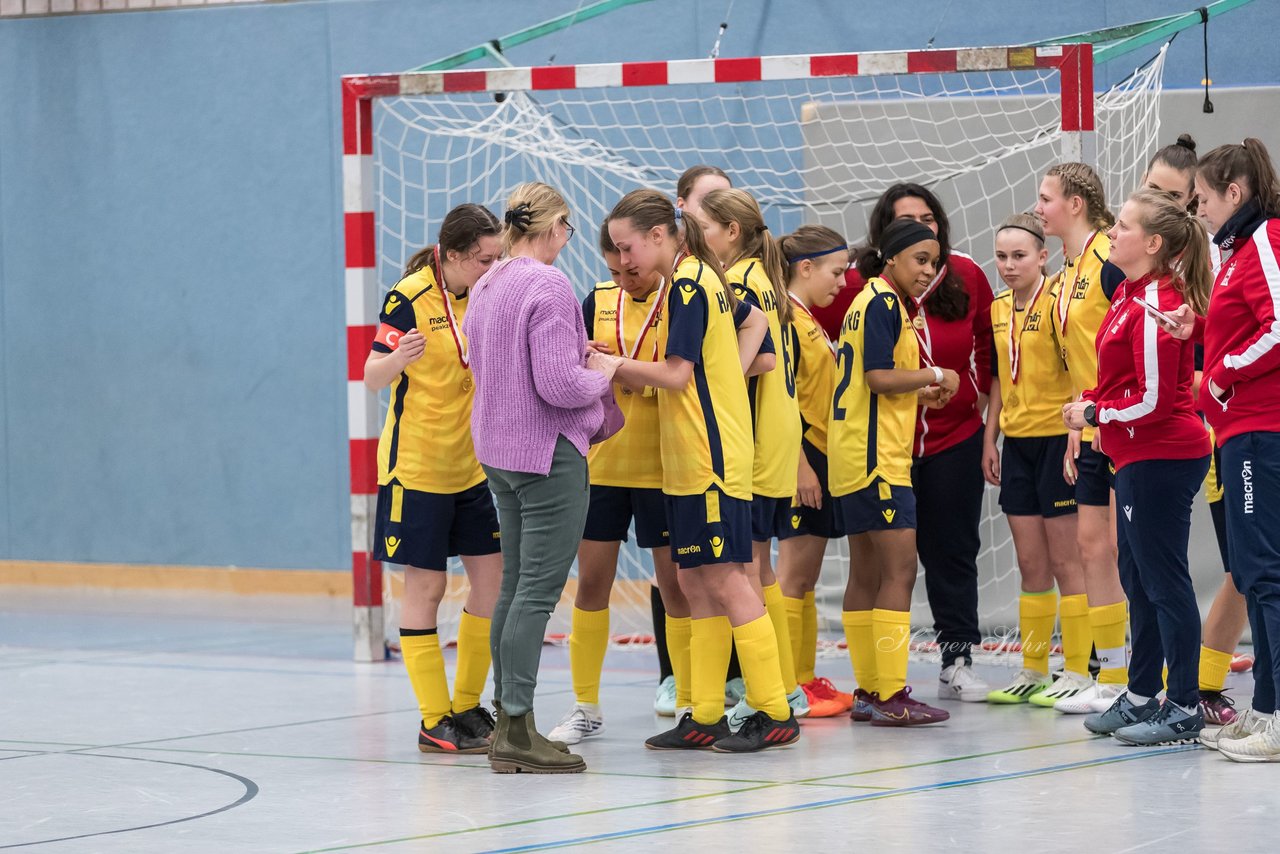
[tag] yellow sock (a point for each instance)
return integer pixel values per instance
(1035, 623)
(758, 654)
(1109, 622)
(1077, 635)
(678, 634)
(892, 631)
(808, 641)
(775, 605)
(710, 645)
(1164, 677)
(1214, 667)
(795, 629)
(861, 641)
(425, 663)
(474, 658)
(588, 642)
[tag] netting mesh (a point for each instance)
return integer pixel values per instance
(809, 150)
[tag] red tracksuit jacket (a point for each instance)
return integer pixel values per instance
(1242, 338)
(962, 345)
(1145, 410)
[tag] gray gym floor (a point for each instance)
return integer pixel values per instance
(133, 723)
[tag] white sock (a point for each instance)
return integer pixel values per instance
(1137, 699)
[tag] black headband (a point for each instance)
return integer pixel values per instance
(902, 233)
(1037, 235)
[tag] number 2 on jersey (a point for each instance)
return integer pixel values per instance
(844, 361)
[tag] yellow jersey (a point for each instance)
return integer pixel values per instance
(1032, 406)
(1079, 309)
(632, 457)
(775, 416)
(870, 435)
(706, 426)
(426, 440)
(815, 373)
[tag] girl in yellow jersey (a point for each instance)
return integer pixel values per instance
(816, 258)
(872, 427)
(737, 234)
(707, 454)
(626, 484)
(433, 500)
(1072, 206)
(1029, 387)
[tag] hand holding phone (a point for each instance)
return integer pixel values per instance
(1157, 313)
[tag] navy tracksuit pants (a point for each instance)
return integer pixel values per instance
(1250, 473)
(1153, 527)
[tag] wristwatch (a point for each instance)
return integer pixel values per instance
(1091, 414)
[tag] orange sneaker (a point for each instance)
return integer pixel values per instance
(823, 689)
(822, 706)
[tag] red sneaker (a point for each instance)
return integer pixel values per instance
(822, 703)
(901, 710)
(1217, 708)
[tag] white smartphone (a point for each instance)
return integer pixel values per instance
(1155, 312)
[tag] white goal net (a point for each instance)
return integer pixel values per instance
(810, 149)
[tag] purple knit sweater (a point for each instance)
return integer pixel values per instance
(526, 339)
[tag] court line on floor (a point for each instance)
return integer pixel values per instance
(250, 792)
(834, 802)
(812, 781)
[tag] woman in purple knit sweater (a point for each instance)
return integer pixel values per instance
(537, 405)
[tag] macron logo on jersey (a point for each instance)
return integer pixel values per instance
(1226, 277)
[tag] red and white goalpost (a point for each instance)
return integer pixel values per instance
(814, 138)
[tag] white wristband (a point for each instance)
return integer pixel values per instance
(937, 375)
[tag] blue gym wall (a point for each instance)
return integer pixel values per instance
(171, 318)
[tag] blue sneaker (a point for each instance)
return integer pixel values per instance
(798, 700)
(1170, 725)
(735, 691)
(1122, 713)
(664, 703)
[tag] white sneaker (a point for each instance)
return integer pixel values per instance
(738, 715)
(1262, 746)
(1089, 700)
(1246, 724)
(735, 691)
(664, 702)
(1065, 686)
(582, 721)
(960, 682)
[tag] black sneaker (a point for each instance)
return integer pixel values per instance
(690, 735)
(476, 722)
(760, 732)
(448, 737)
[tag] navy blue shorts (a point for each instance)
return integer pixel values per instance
(878, 507)
(709, 528)
(1095, 477)
(1031, 481)
(823, 522)
(613, 507)
(770, 517)
(425, 529)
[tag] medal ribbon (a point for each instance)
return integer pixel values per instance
(463, 356)
(1064, 305)
(831, 345)
(1015, 341)
(619, 325)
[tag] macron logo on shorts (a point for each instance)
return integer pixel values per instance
(1246, 476)
(1128, 512)
(717, 546)
(888, 515)
(392, 544)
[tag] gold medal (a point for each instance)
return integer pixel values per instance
(466, 383)
(918, 321)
